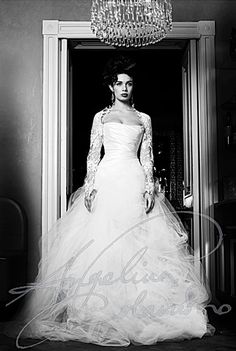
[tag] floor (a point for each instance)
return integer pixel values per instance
(223, 340)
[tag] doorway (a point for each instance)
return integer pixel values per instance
(199, 108)
(158, 92)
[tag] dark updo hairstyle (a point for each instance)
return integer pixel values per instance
(118, 65)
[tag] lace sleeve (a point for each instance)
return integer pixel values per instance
(146, 154)
(94, 154)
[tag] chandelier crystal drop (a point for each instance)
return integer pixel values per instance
(131, 23)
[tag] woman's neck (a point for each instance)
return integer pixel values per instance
(118, 105)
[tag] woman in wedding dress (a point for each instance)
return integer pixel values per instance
(118, 268)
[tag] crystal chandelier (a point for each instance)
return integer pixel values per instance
(132, 23)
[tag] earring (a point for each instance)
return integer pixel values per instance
(132, 101)
(112, 98)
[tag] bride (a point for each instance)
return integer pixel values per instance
(119, 269)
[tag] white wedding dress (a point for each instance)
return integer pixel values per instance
(116, 275)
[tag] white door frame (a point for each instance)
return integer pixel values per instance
(55, 36)
(191, 140)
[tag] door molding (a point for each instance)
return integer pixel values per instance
(54, 118)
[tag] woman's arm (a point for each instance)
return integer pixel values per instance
(146, 154)
(94, 154)
(146, 159)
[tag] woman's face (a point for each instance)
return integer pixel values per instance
(123, 87)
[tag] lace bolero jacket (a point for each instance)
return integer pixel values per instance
(94, 155)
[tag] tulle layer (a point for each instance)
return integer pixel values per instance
(117, 275)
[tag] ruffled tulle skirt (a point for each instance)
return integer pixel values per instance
(116, 275)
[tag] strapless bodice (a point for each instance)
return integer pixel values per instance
(121, 140)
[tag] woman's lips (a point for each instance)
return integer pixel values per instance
(124, 94)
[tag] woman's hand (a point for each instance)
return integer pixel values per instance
(149, 201)
(88, 200)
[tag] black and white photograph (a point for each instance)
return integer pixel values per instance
(117, 175)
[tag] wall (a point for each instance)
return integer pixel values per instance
(21, 90)
(223, 12)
